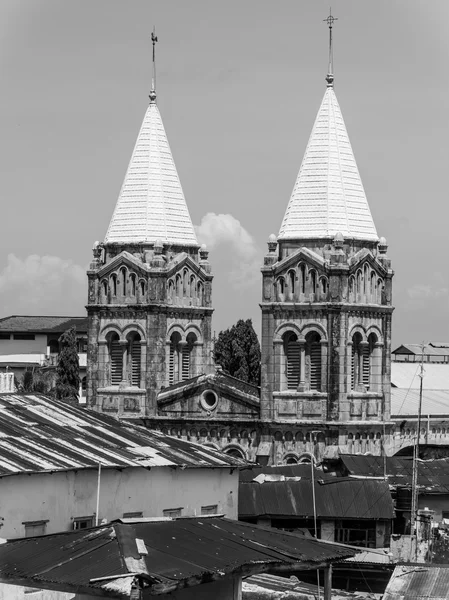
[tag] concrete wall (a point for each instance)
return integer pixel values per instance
(61, 497)
(36, 346)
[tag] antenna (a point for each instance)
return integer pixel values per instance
(330, 71)
(153, 77)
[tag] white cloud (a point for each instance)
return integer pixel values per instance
(437, 289)
(243, 254)
(42, 285)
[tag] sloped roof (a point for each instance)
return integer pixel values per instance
(38, 433)
(405, 401)
(431, 349)
(433, 475)
(328, 196)
(406, 375)
(420, 581)
(167, 554)
(151, 204)
(340, 498)
(41, 324)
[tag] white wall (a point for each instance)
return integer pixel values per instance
(60, 497)
(36, 346)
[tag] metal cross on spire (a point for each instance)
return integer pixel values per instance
(153, 79)
(330, 72)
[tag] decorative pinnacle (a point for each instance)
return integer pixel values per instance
(153, 78)
(330, 71)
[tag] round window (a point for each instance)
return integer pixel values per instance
(209, 400)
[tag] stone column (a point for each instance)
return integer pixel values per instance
(124, 346)
(376, 363)
(349, 367)
(279, 366)
(302, 365)
(103, 368)
(324, 345)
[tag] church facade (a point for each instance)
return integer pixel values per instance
(326, 312)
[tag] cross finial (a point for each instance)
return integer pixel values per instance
(153, 79)
(330, 71)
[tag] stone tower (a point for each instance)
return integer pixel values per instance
(149, 300)
(327, 297)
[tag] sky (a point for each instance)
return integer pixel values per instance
(239, 85)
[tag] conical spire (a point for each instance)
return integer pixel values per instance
(328, 196)
(151, 205)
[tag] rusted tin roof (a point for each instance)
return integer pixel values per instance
(339, 498)
(38, 433)
(433, 475)
(36, 324)
(419, 581)
(165, 554)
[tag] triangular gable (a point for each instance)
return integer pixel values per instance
(303, 253)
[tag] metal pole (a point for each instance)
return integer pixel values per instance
(314, 518)
(98, 493)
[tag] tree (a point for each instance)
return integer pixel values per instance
(68, 370)
(237, 350)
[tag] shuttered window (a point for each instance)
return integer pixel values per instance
(315, 365)
(366, 366)
(171, 375)
(116, 357)
(135, 362)
(185, 362)
(293, 363)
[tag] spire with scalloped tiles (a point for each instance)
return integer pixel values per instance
(151, 205)
(328, 196)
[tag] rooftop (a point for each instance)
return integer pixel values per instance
(420, 581)
(336, 498)
(405, 402)
(328, 196)
(406, 375)
(161, 555)
(41, 434)
(42, 324)
(151, 204)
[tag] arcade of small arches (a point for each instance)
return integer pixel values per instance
(301, 284)
(184, 350)
(365, 286)
(183, 286)
(290, 447)
(302, 358)
(123, 354)
(120, 285)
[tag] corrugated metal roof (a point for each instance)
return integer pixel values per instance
(338, 498)
(193, 549)
(38, 433)
(433, 475)
(423, 582)
(405, 401)
(299, 470)
(406, 375)
(151, 204)
(328, 196)
(430, 349)
(42, 324)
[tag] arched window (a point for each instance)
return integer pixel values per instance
(351, 288)
(178, 285)
(365, 280)
(312, 275)
(302, 278)
(134, 358)
(114, 285)
(123, 274)
(132, 281)
(187, 352)
(104, 290)
(291, 282)
(313, 356)
(292, 355)
(281, 285)
(323, 283)
(115, 353)
(373, 287)
(174, 362)
(291, 459)
(192, 286)
(142, 290)
(185, 282)
(360, 372)
(380, 285)
(200, 293)
(171, 289)
(359, 283)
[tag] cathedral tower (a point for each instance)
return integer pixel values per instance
(149, 299)
(327, 295)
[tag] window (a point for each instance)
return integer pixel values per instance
(209, 400)
(200, 293)
(115, 359)
(356, 533)
(114, 284)
(83, 523)
(292, 277)
(123, 273)
(313, 353)
(313, 281)
(132, 281)
(4, 336)
(302, 279)
(291, 349)
(133, 515)
(134, 360)
(83, 387)
(172, 512)
(24, 336)
(211, 509)
(33, 528)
